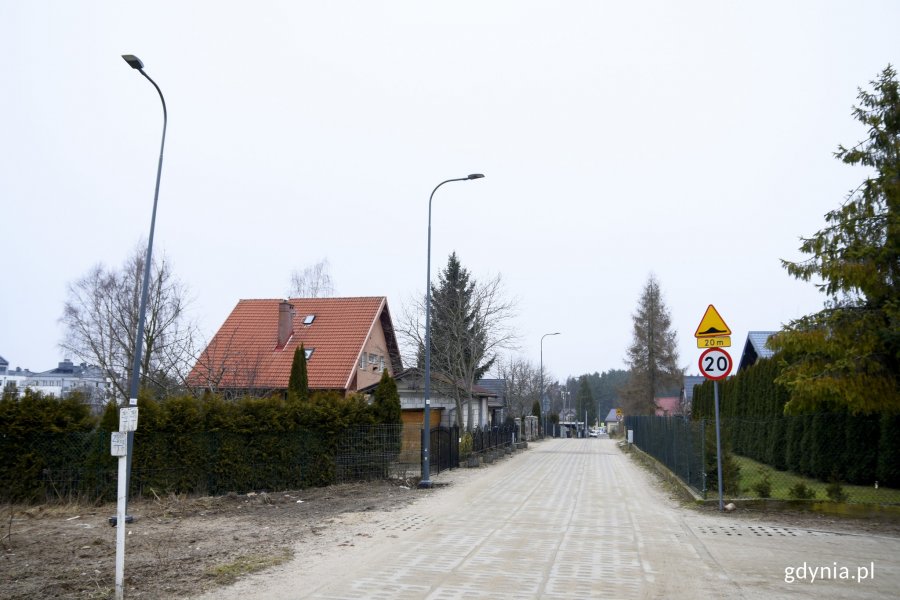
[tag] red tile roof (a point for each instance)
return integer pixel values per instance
(244, 353)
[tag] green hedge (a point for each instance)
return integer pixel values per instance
(52, 448)
(860, 449)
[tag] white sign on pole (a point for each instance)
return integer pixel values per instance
(128, 419)
(119, 443)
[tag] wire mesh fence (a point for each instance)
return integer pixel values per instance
(69, 466)
(812, 457)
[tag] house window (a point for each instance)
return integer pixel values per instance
(309, 319)
(372, 359)
(381, 363)
(362, 361)
(308, 352)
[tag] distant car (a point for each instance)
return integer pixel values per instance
(594, 433)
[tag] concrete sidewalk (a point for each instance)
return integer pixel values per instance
(575, 518)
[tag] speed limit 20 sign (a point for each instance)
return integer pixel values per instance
(715, 364)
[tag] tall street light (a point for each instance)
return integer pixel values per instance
(136, 63)
(426, 430)
(541, 395)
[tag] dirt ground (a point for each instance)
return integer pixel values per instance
(177, 546)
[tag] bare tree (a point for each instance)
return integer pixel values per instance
(100, 317)
(470, 324)
(225, 367)
(312, 282)
(523, 381)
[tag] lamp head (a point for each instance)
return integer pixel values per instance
(475, 176)
(133, 60)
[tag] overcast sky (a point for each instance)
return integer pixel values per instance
(690, 140)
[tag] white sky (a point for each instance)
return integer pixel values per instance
(692, 140)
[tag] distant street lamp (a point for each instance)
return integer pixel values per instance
(426, 430)
(541, 394)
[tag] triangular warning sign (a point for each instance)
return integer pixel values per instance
(712, 324)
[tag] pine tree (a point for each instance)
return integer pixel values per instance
(849, 353)
(298, 384)
(459, 337)
(653, 355)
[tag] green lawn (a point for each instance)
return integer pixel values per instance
(782, 481)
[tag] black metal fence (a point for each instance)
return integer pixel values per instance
(444, 449)
(491, 438)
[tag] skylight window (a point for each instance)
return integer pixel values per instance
(309, 319)
(308, 352)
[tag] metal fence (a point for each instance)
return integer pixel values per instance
(676, 443)
(812, 457)
(492, 438)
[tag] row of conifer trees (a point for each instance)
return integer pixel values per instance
(855, 448)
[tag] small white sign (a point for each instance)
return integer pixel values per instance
(119, 443)
(631, 436)
(128, 419)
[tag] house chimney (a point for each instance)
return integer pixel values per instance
(285, 322)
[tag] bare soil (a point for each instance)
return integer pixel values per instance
(177, 546)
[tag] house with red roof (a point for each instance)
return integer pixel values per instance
(348, 342)
(668, 406)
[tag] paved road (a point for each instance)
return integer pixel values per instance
(577, 519)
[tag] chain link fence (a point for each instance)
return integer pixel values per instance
(813, 457)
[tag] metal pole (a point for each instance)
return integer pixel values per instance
(145, 288)
(425, 482)
(122, 516)
(541, 392)
(718, 443)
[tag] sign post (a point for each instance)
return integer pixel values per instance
(715, 364)
(128, 420)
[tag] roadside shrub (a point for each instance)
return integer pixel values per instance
(763, 487)
(801, 491)
(465, 445)
(834, 489)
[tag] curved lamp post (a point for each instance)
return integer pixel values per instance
(426, 429)
(541, 395)
(121, 515)
(136, 63)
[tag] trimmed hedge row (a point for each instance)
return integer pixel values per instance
(859, 449)
(55, 448)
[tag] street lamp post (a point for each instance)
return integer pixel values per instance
(136, 63)
(425, 482)
(541, 394)
(128, 421)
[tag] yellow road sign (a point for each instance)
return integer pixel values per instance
(714, 342)
(712, 325)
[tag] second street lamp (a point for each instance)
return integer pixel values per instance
(425, 482)
(541, 393)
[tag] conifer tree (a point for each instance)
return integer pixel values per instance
(298, 384)
(848, 354)
(584, 402)
(386, 402)
(652, 356)
(459, 336)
